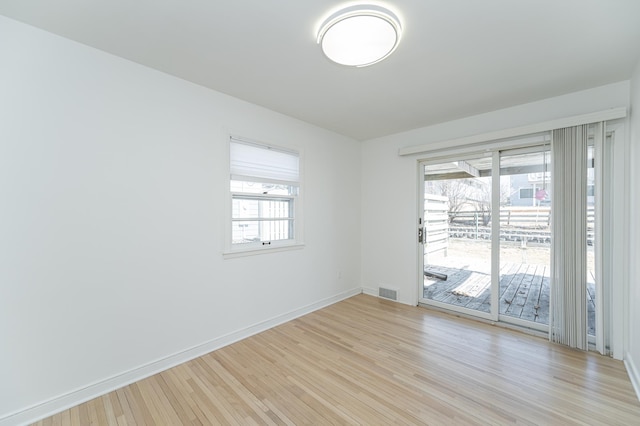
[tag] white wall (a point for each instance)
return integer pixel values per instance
(113, 178)
(632, 357)
(389, 182)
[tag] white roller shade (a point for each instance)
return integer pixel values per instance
(261, 163)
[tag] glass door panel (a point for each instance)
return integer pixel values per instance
(591, 260)
(525, 235)
(457, 235)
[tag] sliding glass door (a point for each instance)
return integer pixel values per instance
(487, 243)
(489, 233)
(456, 235)
(525, 236)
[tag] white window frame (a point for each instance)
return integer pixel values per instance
(232, 250)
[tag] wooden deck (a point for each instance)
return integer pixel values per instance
(524, 290)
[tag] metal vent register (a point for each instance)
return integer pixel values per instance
(388, 293)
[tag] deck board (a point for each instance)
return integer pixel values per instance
(532, 303)
(543, 311)
(524, 290)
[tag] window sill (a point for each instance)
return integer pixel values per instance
(252, 251)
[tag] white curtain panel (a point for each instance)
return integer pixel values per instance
(568, 310)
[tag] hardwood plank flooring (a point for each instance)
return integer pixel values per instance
(370, 361)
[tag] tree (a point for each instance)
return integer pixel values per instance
(483, 204)
(456, 190)
(474, 193)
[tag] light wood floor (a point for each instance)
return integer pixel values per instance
(370, 361)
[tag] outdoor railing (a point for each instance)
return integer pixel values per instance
(529, 225)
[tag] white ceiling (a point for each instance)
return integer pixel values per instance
(457, 57)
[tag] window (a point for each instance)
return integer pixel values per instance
(526, 193)
(264, 185)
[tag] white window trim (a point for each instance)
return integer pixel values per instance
(230, 250)
(254, 250)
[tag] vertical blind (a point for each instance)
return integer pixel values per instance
(568, 313)
(261, 163)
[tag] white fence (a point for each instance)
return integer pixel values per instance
(436, 223)
(516, 224)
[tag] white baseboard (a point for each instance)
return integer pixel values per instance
(94, 390)
(370, 291)
(634, 373)
(374, 292)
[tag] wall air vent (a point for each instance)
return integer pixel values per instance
(388, 293)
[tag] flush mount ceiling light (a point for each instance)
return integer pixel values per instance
(360, 35)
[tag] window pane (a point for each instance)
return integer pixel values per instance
(261, 231)
(253, 208)
(525, 236)
(261, 219)
(262, 188)
(457, 234)
(591, 258)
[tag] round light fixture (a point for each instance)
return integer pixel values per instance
(360, 35)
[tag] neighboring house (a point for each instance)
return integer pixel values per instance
(531, 189)
(534, 189)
